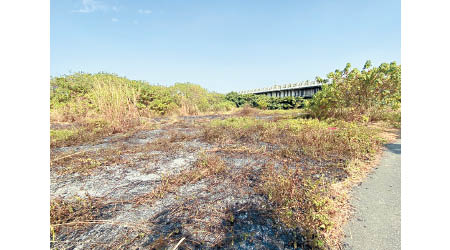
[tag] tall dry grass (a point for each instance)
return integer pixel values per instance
(116, 102)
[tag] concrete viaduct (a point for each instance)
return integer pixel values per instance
(304, 89)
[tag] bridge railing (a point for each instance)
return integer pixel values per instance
(274, 88)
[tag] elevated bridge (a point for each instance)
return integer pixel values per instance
(304, 89)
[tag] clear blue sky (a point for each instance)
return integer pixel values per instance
(221, 45)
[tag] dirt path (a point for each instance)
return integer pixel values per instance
(376, 223)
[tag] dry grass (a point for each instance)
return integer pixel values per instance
(74, 213)
(86, 132)
(299, 201)
(299, 137)
(117, 104)
(81, 213)
(84, 162)
(111, 107)
(321, 161)
(207, 165)
(246, 111)
(325, 159)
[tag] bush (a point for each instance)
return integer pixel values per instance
(121, 101)
(264, 102)
(358, 95)
(194, 99)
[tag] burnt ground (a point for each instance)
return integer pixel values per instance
(223, 210)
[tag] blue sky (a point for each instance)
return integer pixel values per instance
(221, 45)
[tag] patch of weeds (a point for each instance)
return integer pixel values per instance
(163, 144)
(301, 195)
(283, 112)
(247, 111)
(248, 149)
(76, 212)
(299, 201)
(85, 161)
(232, 129)
(178, 136)
(82, 162)
(308, 137)
(394, 118)
(59, 136)
(87, 132)
(331, 140)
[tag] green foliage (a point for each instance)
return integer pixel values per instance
(66, 88)
(77, 95)
(90, 131)
(62, 135)
(288, 102)
(195, 99)
(157, 99)
(354, 94)
(264, 102)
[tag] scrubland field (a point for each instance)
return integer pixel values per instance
(147, 167)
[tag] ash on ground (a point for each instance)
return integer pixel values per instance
(224, 210)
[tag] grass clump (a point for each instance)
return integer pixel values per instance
(192, 99)
(76, 209)
(62, 135)
(299, 201)
(328, 140)
(237, 128)
(81, 162)
(88, 131)
(76, 212)
(247, 110)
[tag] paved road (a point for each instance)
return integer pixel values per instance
(376, 223)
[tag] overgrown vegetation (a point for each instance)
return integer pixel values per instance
(367, 95)
(118, 98)
(108, 103)
(311, 155)
(300, 201)
(370, 94)
(88, 131)
(310, 137)
(315, 153)
(264, 102)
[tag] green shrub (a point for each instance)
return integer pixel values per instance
(121, 101)
(264, 102)
(358, 95)
(194, 99)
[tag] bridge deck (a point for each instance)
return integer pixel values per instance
(305, 90)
